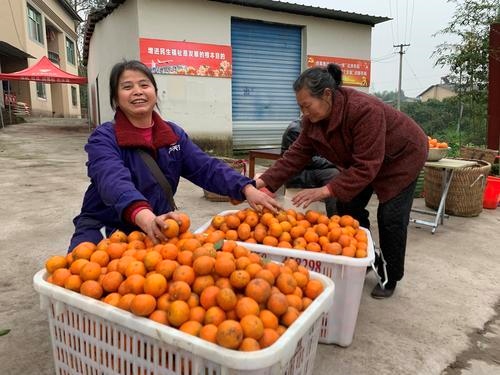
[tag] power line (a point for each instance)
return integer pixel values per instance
(406, 21)
(413, 72)
(392, 22)
(411, 19)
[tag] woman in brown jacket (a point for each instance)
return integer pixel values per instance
(377, 148)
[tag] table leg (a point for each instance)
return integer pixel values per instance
(448, 174)
(251, 166)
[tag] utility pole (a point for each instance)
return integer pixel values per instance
(401, 52)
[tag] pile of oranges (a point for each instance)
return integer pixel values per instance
(312, 231)
(434, 143)
(230, 297)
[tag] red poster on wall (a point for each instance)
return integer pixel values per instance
(355, 72)
(186, 58)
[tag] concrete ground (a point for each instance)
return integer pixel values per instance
(443, 319)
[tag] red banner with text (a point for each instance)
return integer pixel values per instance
(355, 72)
(186, 58)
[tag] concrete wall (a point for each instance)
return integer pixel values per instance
(12, 28)
(115, 38)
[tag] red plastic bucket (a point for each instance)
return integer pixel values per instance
(492, 192)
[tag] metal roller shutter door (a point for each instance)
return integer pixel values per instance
(266, 62)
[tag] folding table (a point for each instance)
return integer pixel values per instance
(448, 166)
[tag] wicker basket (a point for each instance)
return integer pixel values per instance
(465, 195)
(238, 165)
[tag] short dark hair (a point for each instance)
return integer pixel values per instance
(317, 79)
(116, 73)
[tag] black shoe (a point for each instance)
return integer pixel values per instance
(379, 293)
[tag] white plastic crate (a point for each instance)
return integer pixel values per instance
(347, 273)
(92, 337)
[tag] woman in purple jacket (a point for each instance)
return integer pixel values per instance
(123, 194)
(377, 149)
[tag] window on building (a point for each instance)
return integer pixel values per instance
(40, 90)
(74, 99)
(70, 51)
(35, 25)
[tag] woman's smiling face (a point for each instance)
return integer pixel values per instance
(136, 94)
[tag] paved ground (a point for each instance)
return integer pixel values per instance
(443, 319)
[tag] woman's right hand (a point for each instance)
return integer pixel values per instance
(154, 225)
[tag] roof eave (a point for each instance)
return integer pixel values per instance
(70, 10)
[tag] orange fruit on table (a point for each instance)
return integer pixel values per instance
(118, 236)
(73, 282)
(290, 316)
(269, 337)
(246, 306)
(134, 284)
(179, 290)
(112, 299)
(151, 259)
(312, 216)
(224, 266)
(232, 221)
(333, 248)
(252, 327)
(215, 315)
(159, 316)
(171, 228)
(77, 265)
(203, 265)
(184, 273)
(209, 333)
(208, 297)
(83, 251)
(259, 290)
(100, 257)
(226, 299)
(111, 281)
(143, 305)
(178, 313)
(116, 250)
(185, 222)
(243, 231)
(191, 327)
(90, 271)
(313, 289)
(135, 268)
(125, 301)
(197, 313)
(229, 334)
(269, 320)
(286, 283)
(166, 268)
(91, 288)
(155, 285)
(249, 345)
(239, 278)
(201, 283)
(277, 304)
(55, 262)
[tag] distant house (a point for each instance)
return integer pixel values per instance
(437, 92)
(30, 29)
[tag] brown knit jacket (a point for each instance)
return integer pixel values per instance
(371, 142)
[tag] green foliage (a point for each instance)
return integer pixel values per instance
(389, 96)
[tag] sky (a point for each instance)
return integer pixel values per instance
(413, 22)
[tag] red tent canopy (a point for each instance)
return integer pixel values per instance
(44, 71)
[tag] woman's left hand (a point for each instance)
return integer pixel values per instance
(257, 199)
(307, 196)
